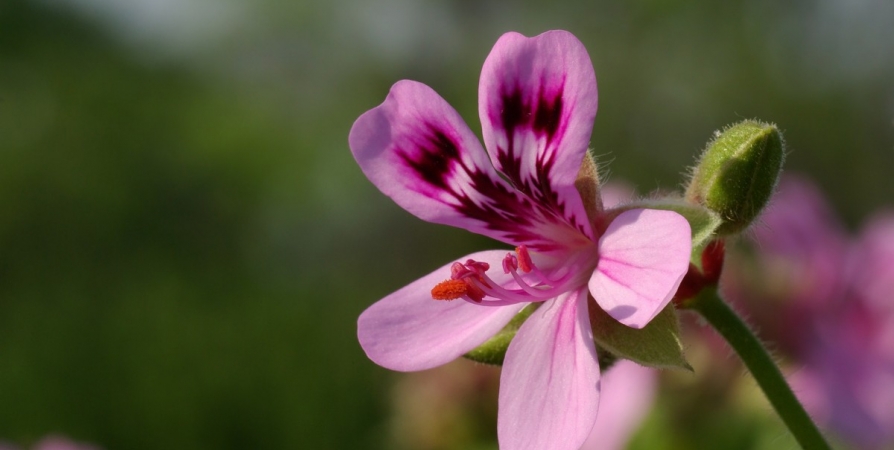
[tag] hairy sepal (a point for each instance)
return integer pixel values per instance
(658, 344)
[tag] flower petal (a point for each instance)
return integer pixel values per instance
(537, 101)
(643, 256)
(628, 391)
(409, 331)
(549, 387)
(417, 150)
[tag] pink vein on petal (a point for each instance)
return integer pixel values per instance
(549, 390)
(644, 255)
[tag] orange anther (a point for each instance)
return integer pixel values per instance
(449, 290)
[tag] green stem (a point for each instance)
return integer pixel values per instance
(709, 304)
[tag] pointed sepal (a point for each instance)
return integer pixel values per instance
(658, 344)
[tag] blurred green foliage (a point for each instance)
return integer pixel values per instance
(186, 242)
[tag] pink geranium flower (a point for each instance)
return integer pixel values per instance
(537, 102)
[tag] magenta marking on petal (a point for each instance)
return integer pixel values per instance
(611, 276)
(417, 150)
(512, 111)
(538, 101)
(542, 118)
(437, 160)
(543, 114)
(548, 115)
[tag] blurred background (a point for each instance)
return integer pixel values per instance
(186, 241)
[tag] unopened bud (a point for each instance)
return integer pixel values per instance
(737, 173)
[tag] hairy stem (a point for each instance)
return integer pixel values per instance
(758, 361)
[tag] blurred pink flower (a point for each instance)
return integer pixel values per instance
(801, 231)
(537, 102)
(53, 442)
(873, 263)
(803, 254)
(61, 443)
(836, 315)
(628, 391)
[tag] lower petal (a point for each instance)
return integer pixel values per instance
(643, 256)
(549, 387)
(408, 330)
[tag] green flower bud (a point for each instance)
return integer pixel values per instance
(737, 173)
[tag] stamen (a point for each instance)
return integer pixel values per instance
(477, 266)
(470, 282)
(510, 263)
(474, 292)
(449, 290)
(471, 270)
(524, 259)
(458, 270)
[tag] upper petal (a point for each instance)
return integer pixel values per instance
(417, 150)
(537, 101)
(549, 387)
(628, 391)
(643, 256)
(408, 330)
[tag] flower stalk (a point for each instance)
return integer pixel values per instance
(761, 365)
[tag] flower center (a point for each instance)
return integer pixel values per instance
(470, 282)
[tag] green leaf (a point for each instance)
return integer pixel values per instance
(494, 349)
(657, 344)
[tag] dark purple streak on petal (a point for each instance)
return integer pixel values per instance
(437, 161)
(544, 118)
(547, 116)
